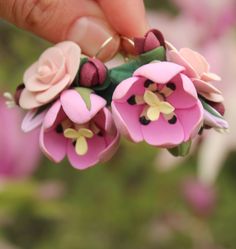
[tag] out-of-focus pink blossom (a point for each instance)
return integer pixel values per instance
(19, 152)
(200, 197)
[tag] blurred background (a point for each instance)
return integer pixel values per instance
(143, 198)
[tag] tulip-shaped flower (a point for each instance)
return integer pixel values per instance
(198, 69)
(50, 75)
(158, 105)
(80, 126)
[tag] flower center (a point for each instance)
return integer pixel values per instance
(80, 137)
(154, 102)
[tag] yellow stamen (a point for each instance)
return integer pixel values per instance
(80, 136)
(156, 106)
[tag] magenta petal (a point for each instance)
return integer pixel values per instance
(127, 120)
(159, 72)
(76, 109)
(53, 145)
(191, 120)
(31, 122)
(162, 134)
(95, 146)
(185, 95)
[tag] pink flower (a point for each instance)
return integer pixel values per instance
(159, 105)
(19, 152)
(200, 197)
(80, 126)
(196, 68)
(50, 75)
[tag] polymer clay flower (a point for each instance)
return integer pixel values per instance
(198, 69)
(50, 75)
(80, 126)
(158, 105)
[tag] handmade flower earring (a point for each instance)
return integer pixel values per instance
(162, 96)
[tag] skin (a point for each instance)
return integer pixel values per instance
(52, 19)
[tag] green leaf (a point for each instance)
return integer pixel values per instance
(181, 150)
(210, 109)
(104, 86)
(85, 95)
(125, 71)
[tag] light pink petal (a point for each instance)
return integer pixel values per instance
(126, 118)
(129, 87)
(32, 70)
(162, 134)
(197, 61)
(34, 85)
(185, 95)
(159, 72)
(214, 121)
(191, 120)
(208, 91)
(53, 145)
(72, 54)
(53, 91)
(51, 115)
(211, 77)
(76, 109)
(28, 100)
(176, 57)
(95, 146)
(31, 122)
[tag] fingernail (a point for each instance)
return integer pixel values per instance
(91, 33)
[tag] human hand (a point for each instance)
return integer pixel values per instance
(87, 22)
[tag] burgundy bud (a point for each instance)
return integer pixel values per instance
(92, 73)
(153, 39)
(219, 107)
(18, 92)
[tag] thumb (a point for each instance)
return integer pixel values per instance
(81, 21)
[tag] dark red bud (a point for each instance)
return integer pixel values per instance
(18, 92)
(153, 39)
(92, 73)
(219, 107)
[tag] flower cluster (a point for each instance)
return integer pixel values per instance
(163, 96)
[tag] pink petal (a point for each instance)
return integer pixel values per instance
(162, 134)
(197, 61)
(159, 72)
(72, 53)
(76, 109)
(126, 118)
(176, 57)
(53, 145)
(191, 120)
(185, 95)
(95, 146)
(53, 91)
(211, 77)
(129, 87)
(28, 100)
(32, 70)
(208, 91)
(34, 85)
(51, 115)
(31, 122)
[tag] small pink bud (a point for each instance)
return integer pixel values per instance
(92, 73)
(153, 39)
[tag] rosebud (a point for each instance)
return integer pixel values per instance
(219, 107)
(92, 73)
(18, 92)
(153, 39)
